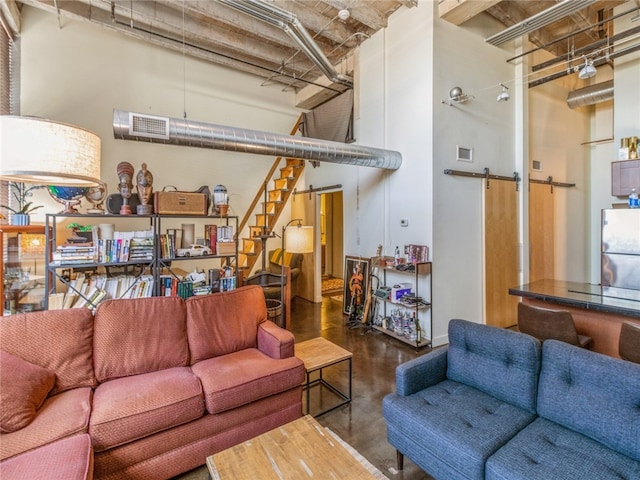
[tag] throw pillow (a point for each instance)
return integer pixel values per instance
(25, 386)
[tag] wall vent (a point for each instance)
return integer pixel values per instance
(148, 126)
(536, 165)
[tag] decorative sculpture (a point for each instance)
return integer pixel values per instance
(125, 178)
(144, 185)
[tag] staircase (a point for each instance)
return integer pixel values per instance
(266, 208)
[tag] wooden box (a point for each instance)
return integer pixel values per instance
(180, 203)
(226, 248)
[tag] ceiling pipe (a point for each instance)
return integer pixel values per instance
(598, 93)
(290, 24)
(177, 131)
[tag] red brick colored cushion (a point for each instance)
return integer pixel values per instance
(70, 458)
(24, 388)
(139, 336)
(225, 322)
(243, 377)
(59, 340)
(60, 416)
(129, 408)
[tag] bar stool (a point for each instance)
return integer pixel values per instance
(629, 346)
(545, 324)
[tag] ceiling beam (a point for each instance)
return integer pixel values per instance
(459, 11)
(367, 15)
(11, 16)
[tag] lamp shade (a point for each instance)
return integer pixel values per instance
(299, 239)
(34, 150)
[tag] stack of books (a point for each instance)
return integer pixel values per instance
(74, 254)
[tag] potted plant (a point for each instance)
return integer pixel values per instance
(23, 208)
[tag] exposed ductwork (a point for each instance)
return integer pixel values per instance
(177, 131)
(600, 92)
(290, 24)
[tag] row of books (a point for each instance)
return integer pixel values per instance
(171, 287)
(125, 250)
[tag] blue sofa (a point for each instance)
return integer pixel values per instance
(496, 404)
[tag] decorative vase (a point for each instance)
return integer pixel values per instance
(20, 219)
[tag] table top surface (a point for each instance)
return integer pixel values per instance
(621, 301)
(319, 353)
(300, 449)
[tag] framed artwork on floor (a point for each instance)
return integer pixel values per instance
(356, 278)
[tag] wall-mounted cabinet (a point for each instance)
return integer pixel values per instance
(22, 268)
(625, 175)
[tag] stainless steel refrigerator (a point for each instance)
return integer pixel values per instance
(621, 248)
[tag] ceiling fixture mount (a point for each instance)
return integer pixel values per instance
(344, 14)
(588, 70)
(503, 96)
(456, 95)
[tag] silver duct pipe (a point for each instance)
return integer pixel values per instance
(288, 22)
(177, 131)
(600, 92)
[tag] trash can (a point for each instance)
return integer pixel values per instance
(274, 311)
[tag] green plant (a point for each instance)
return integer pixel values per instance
(21, 192)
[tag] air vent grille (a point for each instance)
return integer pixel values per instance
(149, 126)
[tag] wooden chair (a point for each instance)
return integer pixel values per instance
(629, 347)
(544, 324)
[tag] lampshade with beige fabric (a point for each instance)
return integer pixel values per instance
(35, 150)
(299, 239)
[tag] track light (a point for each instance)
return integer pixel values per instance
(588, 70)
(456, 96)
(503, 96)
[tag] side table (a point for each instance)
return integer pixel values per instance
(317, 354)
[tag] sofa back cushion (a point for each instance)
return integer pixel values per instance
(593, 394)
(59, 340)
(139, 336)
(224, 322)
(292, 260)
(499, 362)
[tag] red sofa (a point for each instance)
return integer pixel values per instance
(146, 388)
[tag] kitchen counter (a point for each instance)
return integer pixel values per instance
(597, 311)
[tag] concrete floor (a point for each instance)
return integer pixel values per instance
(375, 357)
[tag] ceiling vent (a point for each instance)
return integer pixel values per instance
(148, 126)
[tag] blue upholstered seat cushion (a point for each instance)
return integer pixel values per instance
(450, 429)
(502, 363)
(544, 450)
(593, 394)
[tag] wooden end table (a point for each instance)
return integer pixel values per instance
(300, 449)
(317, 354)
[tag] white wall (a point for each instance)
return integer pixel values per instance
(79, 73)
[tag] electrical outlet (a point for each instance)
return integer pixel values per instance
(404, 222)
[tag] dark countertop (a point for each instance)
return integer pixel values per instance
(620, 301)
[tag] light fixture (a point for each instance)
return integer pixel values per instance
(539, 20)
(503, 96)
(344, 14)
(299, 240)
(34, 150)
(588, 70)
(456, 95)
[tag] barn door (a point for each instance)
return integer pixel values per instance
(500, 203)
(541, 232)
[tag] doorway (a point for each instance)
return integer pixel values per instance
(331, 243)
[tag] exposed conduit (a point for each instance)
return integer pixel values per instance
(176, 131)
(600, 92)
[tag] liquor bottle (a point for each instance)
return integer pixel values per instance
(416, 322)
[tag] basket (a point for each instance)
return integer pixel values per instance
(274, 310)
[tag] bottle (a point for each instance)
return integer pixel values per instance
(396, 256)
(416, 321)
(633, 199)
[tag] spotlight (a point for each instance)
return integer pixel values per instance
(587, 71)
(503, 96)
(344, 14)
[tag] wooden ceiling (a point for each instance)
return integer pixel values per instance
(215, 32)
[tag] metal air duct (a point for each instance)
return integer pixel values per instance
(600, 92)
(290, 24)
(177, 131)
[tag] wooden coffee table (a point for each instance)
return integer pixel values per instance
(317, 354)
(300, 449)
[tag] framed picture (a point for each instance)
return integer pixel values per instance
(356, 278)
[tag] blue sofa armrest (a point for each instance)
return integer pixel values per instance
(422, 372)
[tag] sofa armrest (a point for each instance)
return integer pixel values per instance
(422, 372)
(275, 341)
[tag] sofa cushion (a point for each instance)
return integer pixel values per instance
(24, 388)
(129, 408)
(59, 340)
(236, 379)
(61, 415)
(224, 322)
(479, 355)
(545, 450)
(458, 425)
(139, 336)
(593, 394)
(70, 458)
